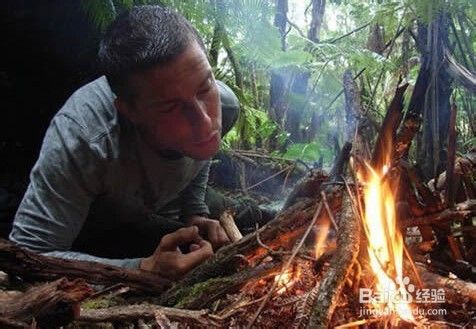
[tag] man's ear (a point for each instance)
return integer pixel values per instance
(125, 108)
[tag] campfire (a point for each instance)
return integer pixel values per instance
(350, 248)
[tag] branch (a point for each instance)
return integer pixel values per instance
(28, 265)
(50, 304)
(461, 211)
(145, 311)
(461, 74)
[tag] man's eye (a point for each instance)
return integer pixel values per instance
(206, 87)
(167, 108)
(205, 90)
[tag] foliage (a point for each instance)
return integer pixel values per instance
(254, 44)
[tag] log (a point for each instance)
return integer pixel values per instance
(51, 304)
(31, 266)
(306, 187)
(202, 294)
(461, 211)
(457, 291)
(348, 241)
(146, 311)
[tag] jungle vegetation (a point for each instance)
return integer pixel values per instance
(285, 60)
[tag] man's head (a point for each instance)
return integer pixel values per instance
(156, 64)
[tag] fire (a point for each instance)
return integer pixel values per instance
(287, 279)
(385, 245)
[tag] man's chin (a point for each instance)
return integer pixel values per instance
(204, 152)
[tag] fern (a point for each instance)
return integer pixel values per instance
(305, 307)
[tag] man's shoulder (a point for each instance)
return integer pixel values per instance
(91, 107)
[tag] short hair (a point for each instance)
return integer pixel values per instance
(139, 39)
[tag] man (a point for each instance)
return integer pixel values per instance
(129, 153)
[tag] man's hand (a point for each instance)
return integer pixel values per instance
(169, 261)
(211, 230)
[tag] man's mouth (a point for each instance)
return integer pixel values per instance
(210, 138)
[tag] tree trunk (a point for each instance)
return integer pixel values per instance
(433, 39)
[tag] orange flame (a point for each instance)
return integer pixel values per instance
(385, 244)
(287, 279)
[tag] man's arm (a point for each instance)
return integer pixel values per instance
(196, 212)
(64, 181)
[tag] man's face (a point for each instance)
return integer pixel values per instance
(177, 105)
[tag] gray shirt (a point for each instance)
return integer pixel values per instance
(94, 165)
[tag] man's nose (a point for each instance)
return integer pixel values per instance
(198, 115)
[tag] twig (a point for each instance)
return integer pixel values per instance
(118, 288)
(347, 34)
(328, 209)
(413, 266)
(234, 310)
(286, 266)
(268, 178)
(341, 92)
(450, 168)
(358, 323)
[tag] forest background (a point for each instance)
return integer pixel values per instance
(285, 60)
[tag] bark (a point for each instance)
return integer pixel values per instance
(146, 311)
(228, 223)
(280, 20)
(348, 240)
(461, 211)
(387, 133)
(456, 290)
(317, 16)
(202, 294)
(433, 155)
(30, 266)
(461, 74)
(354, 127)
(50, 304)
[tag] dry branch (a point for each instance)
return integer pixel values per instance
(49, 304)
(461, 211)
(228, 223)
(30, 266)
(348, 240)
(145, 311)
(457, 291)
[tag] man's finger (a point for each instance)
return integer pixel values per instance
(198, 256)
(185, 235)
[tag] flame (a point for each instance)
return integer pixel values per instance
(287, 279)
(385, 244)
(321, 236)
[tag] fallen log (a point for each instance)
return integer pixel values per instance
(52, 304)
(30, 266)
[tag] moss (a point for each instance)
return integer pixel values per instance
(187, 295)
(101, 303)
